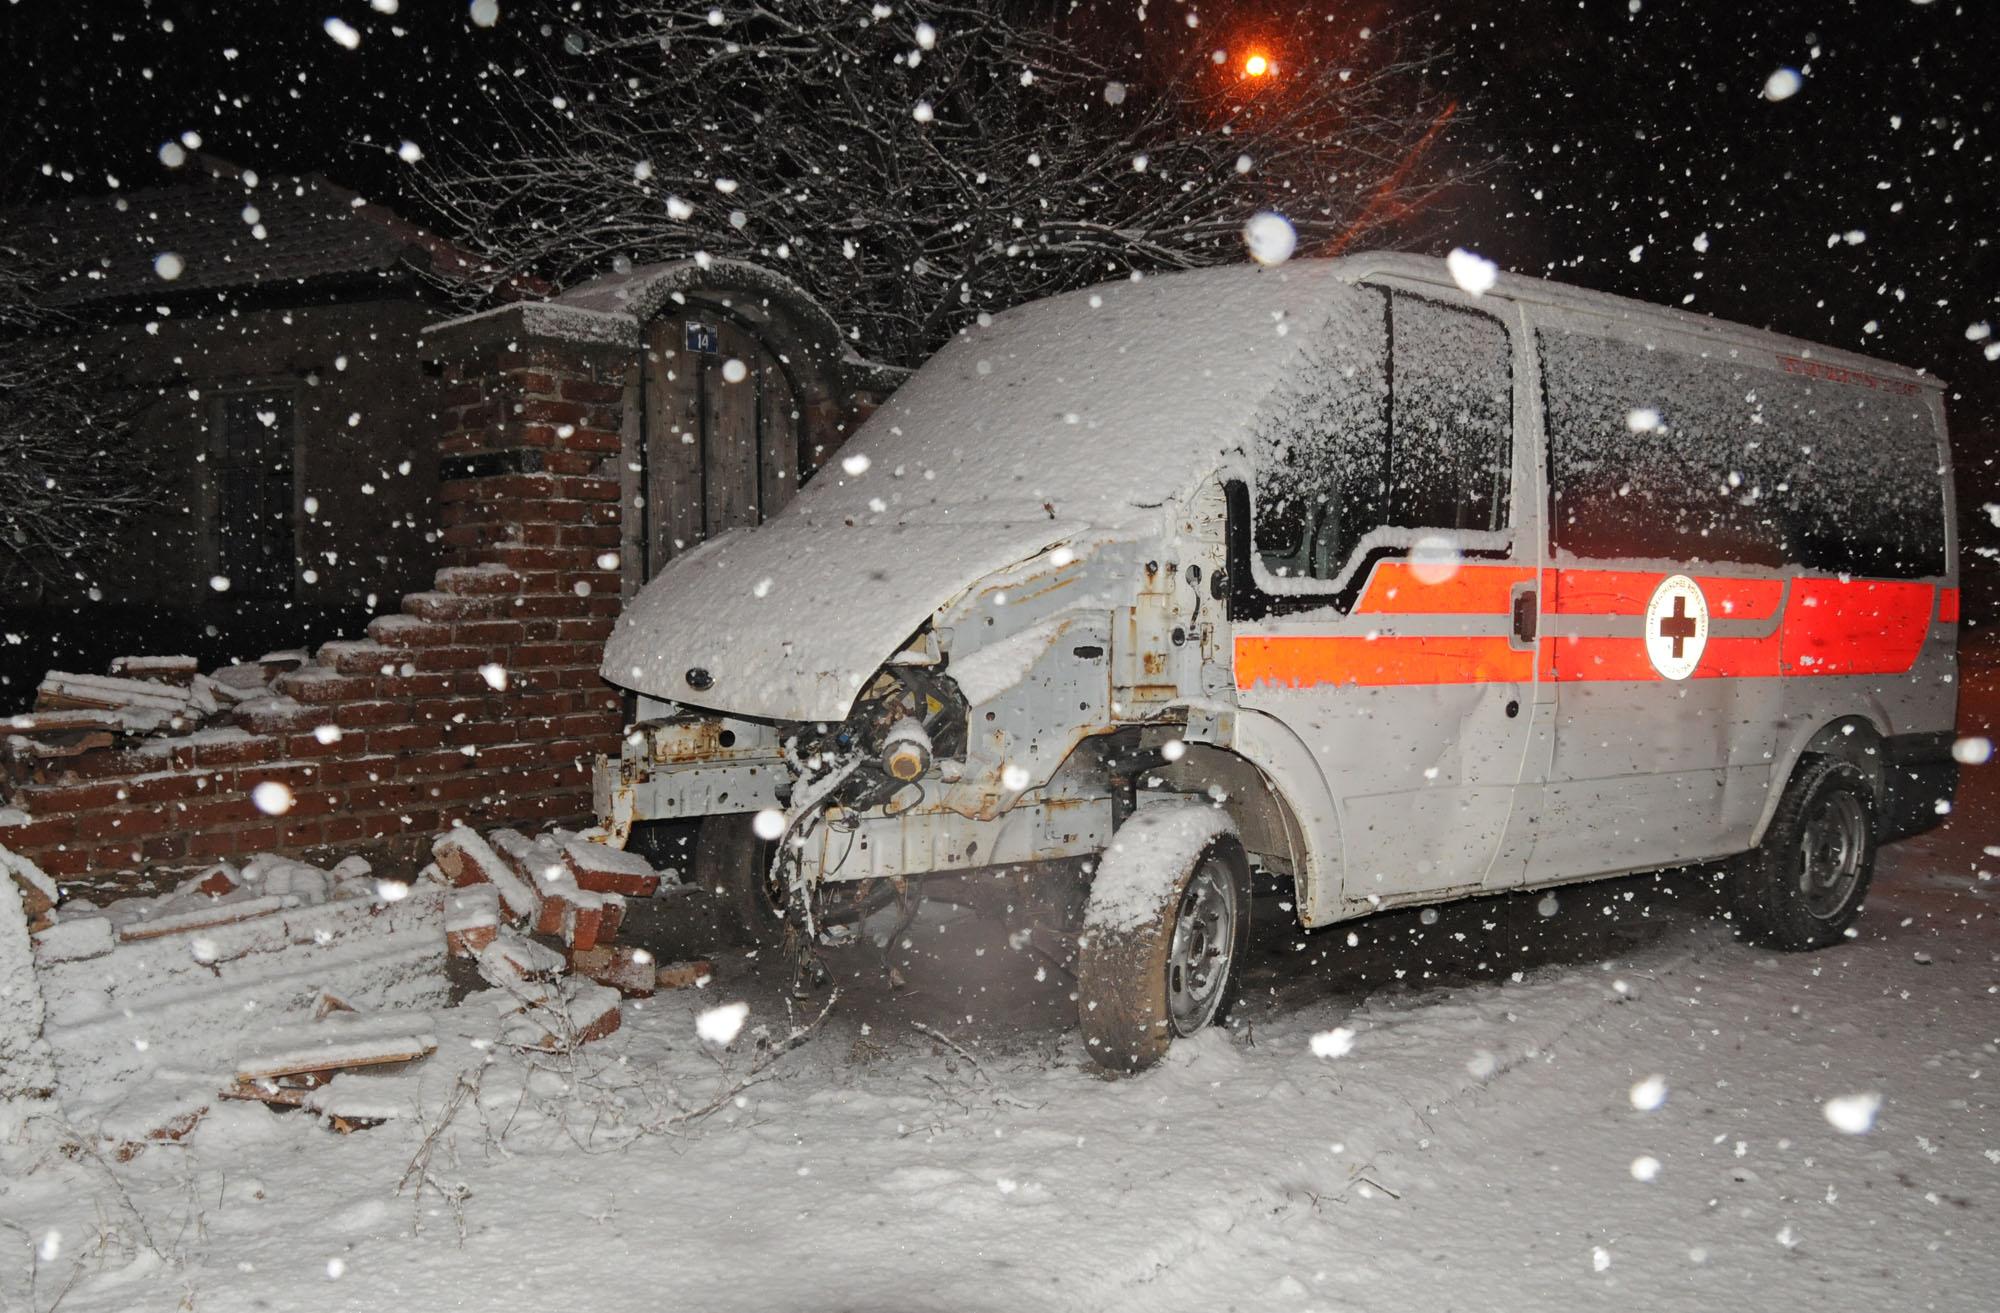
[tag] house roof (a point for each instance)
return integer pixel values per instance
(228, 229)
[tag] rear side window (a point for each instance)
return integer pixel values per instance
(1662, 454)
(1412, 430)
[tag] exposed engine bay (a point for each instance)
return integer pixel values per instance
(907, 719)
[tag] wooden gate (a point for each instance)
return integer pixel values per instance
(720, 433)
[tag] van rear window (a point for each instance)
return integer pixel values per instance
(1661, 454)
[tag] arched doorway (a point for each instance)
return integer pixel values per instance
(721, 430)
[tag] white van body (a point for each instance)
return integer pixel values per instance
(1434, 594)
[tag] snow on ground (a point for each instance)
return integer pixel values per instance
(1474, 1148)
(1480, 1141)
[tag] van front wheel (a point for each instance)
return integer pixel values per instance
(1164, 934)
(1804, 886)
(733, 863)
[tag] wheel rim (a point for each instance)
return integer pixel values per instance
(1833, 846)
(1203, 950)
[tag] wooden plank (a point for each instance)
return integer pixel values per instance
(777, 434)
(222, 914)
(318, 1062)
(672, 434)
(729, 435)
(53, 722)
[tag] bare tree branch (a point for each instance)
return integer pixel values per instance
(66, 481)
(913, 166)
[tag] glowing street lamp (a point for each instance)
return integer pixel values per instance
(1257, 66)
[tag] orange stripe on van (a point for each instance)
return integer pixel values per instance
(1316, 660)
(1399, 588)
(1828, 627)
(1855, 627)
(1947, 606)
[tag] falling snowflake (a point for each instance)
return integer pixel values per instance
(272, 798)
(1270, 237)
(1474, 274)
(1782, 85)
(1335, 1043)
(1853, 1114)
(721, 1025)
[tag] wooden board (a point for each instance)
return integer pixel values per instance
(671, 384)
(729, 435)
(319, 1065)
(777, 434)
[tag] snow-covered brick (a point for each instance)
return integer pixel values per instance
(538, 861)
(276, 875)
(217, 881)
(359, 1099)
(241, 680)
(580, 1012)
(512, 960)
(38, 892)
(471, 919)
(582, 916)
(610, 917)
(64, 722)
(630, 971)
(153, 1114)
(178, 670)
(283, 661)
(27, 1074)
(1135, 877)
(467, 859)
(61, 690)
(603, 869)
(74, 938)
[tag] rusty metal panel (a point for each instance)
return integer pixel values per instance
(933, 839)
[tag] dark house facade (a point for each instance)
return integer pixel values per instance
(262, 335)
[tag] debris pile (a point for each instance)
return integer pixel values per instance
(142, 696)
(563, 885)
(316, 988)
(148, 986)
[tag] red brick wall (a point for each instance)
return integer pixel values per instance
(529, 509)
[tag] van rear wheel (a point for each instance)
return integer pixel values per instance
(1164, 936)
(1804, 886)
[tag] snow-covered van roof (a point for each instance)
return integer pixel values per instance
(1537, 291)
(1101, 404)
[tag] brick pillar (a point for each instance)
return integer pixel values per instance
(478, 702)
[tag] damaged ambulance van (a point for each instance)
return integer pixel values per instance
(1332, 571)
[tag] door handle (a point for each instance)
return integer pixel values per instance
(1527, 610)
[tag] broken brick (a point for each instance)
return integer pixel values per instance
(467, 859)
(684, 975)
(627, 970)
(605, 870)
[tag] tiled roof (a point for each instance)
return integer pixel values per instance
(223, 232)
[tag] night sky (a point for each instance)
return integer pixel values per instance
(1620, 137)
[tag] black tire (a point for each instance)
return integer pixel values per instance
(1804, 886)
(1126, 980)
(735, 865)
